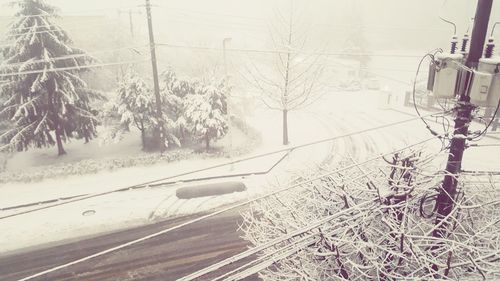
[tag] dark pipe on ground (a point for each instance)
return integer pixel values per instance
(211, 189)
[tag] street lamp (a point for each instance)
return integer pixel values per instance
(226, 41)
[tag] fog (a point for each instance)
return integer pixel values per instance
(379, 27)
(289, 139)
(405, 25)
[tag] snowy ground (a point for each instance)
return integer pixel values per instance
(337, 113)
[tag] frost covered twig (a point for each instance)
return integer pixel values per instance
(387, 239)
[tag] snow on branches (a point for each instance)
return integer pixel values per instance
(376, 223)
(190, 109)
(206, 111)
(175, 92)
(44, 104)
(132, 106)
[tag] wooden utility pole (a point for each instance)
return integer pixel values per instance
(152, 45)
(448, 191)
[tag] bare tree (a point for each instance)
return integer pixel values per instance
(374, 222)
(290, 80)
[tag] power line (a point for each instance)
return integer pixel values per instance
(73, 68)
(491, 120)
(256, 21)
(132, 48)
(56, 29)
(73, 14)
(63, 24)
(210, 13)
(275, 51)
(486, 145)
(264, 246)
(233, 207)
(489, 173)
(219, 24)
(271, 257)
(291, 248)
(285, 150)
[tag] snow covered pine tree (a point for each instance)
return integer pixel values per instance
(206, 112)
(46, 101)
(134, 105)
(176, 92)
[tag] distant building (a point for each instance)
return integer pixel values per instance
(343, 68)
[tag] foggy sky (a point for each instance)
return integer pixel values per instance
(402, 24)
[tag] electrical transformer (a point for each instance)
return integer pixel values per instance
(447, 74)
(485, 88)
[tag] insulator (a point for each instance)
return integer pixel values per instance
(465, 42)
(454, 43)
(490, 48)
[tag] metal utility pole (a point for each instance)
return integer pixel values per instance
(447, 195)
(152, 45)
(226, 41)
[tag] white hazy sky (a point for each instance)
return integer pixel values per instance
(208, 21)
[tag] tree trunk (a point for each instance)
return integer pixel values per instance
(285, 127)
(181, 132)
(51, 88)
(143, 138)
(207, 142)
(60, 148)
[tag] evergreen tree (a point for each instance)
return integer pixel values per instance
(46, 101)
(133, 106)
(175, 92)
(206, 112)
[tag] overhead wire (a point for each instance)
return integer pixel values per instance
(261, 247)
(447, 21)
(229, 163)
(224, 210)
(131, 48)
(260, 19)
(56, 29)
(284, 51)
(254, 50)
(61, 23)
(485, 131)
(255, 250)
(493, 28)
(80, 67)
(485, 145)
(183, 10)
(73, 14)
(428, 127)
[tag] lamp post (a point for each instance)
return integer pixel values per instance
(225, 42)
